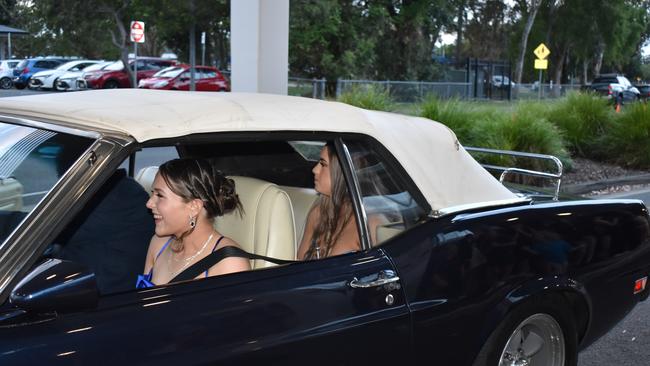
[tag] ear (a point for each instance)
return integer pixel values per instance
(196, 205)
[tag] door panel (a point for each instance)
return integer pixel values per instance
(292, 314)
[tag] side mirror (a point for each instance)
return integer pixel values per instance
(56, 286)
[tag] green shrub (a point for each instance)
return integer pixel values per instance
(461, 117)
(372, 97)
(583, 118)
(627, 141)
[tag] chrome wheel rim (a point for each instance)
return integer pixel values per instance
(538, 340)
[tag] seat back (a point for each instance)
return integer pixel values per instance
(146, 177)
(302, 199)
(267, 225)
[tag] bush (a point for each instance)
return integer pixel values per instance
(372, 97)
(583, 118)
(461, 117)
(627, 141)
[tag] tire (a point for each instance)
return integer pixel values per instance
(539, 331)
(54, 88)
(111, 84)
(6, 83)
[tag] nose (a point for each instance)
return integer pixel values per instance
(315, 169)
(149, 203)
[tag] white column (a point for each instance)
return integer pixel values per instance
(259, 45)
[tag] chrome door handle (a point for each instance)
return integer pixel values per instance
(384, 277)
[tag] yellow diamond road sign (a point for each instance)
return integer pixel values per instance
(542, 51)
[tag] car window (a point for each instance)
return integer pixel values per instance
(12, 64)
(31, 162)
(390, 207)
(42, 64)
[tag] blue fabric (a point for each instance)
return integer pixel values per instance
(144, 280)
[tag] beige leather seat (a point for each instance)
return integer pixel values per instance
(267, 225)
(146, 176)
(302, 199)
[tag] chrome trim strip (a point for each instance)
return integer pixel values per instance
(436, 214)
(49, 126)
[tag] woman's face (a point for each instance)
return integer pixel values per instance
(322, 177)
(170, 212)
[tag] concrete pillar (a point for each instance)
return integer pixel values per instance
(259, 46)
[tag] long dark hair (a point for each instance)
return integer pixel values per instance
(335, 210)
(200, 179)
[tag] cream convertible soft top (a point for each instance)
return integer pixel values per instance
(445, 173)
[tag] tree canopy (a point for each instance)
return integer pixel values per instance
(370, 39)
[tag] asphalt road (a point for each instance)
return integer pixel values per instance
(628, 344)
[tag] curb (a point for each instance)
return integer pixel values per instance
(587, 187)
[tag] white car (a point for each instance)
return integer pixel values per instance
(7, 73)
(68, 81)
(47, 79)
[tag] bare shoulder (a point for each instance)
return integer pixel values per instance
(229, 264)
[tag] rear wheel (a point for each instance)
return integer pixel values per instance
(6, 83)
(539, 332)
(110, 84)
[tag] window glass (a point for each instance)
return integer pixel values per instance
(31, 162)
(42, 64)
(390, 207)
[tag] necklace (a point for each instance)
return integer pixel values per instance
(189, 260)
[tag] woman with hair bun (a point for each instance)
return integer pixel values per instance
(187, 195)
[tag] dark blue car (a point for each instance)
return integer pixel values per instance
(28, 67)
(446, 265)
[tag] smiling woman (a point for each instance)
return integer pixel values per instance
(187, 195)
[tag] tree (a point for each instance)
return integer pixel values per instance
(528, 10)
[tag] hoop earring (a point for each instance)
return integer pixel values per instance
(192, 222)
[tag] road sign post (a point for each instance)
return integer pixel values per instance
(137, 36)
(541, 63)
(202, 48)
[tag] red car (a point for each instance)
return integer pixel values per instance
(115, 76)
(177, 77)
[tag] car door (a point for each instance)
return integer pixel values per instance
(343, 310)
(303, 312)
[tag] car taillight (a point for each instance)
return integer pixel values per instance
(609, 89)
(639, 285)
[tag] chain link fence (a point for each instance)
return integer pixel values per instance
(407, 91)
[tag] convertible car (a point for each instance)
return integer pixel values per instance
(462, 271)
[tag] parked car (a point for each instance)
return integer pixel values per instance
(502, 81)
(177, 77)
(615, 87)
(47, 79)
(644, 91)
(7, 73)
(68, 80)
(115, 76)
(28, 67)
(453, 267)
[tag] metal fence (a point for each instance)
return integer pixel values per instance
(311, 88)
(407, 91)
(547, 91)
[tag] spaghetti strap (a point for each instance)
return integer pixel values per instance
(213, 248)
(163, 248)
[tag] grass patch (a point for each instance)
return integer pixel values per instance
(583, 119)
(372, 97)
(627, 140)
